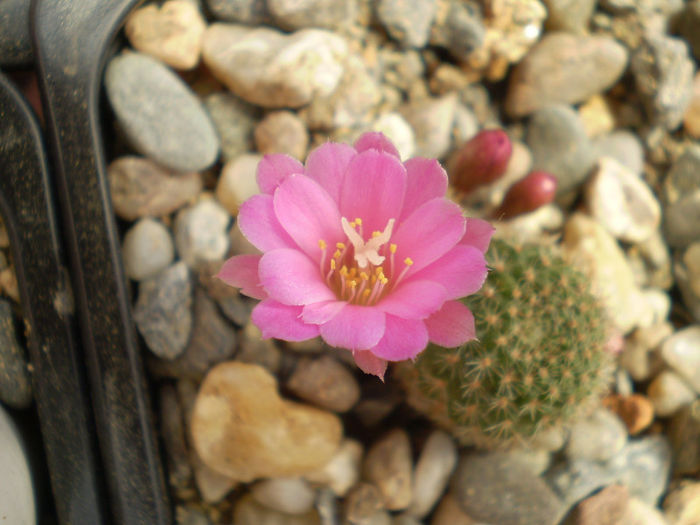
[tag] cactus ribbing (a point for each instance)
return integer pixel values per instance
(538, 359)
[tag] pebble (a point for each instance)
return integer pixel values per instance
(238, 182)
(172, 430)
(247, 511)
(212, 486)
(622, 145)
(139, 187)
(324, 382)
(200, 233)
(571, 16)
(564, 69)
(622, 202)
(466, 125)
(458, 27)
(234, 120)
(682, 198)
(282, 132)
(669, 393)
(687, 270)
(398, 131)
(449, 512)
(298, 14)
(681, 352)
(247, 437)
(342, 472)
(159, 114)
(642, 513)
(251, 12)
(188, 516)
(635, 410)
(598, 437)
(684, 433)
(657, 261)
(171, 33)
(15, 381)
(163, 311)
(551, 439)
(256, 350)
(560, 146)
(597, 116)
(147, 249)
(691, 118)
(606, 507)
(491, 489)
(684, 176)
(663, 74)
(434, 467)
(409, 27)
(271, 69)
(431, 120)
(639, 357)
(682, 503)
(389, 466)
(287, 495)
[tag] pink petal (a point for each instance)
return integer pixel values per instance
(376, 141)
(319, 313)
(274, 168)
(290, 277)
(426, 180)
(354, 328)
(241, 272)
(259, 224)
(373, 190)
(429, 233)
(452, 326)
(327, 164)
(478, 234)
(414, 299)
(403, 339)
(370, 363)
(462, 271)
(308, 214)
(282, 321)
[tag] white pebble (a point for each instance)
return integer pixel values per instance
(289, 495)
(200, 233)
(433, 470)
(147, 249)
(238, 182)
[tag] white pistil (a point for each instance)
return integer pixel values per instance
(367, 252)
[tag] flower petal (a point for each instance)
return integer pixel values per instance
(282, 321)
(259, 224)
(414, 299)
(370, 363)
(290, 277)
(452, 325)
(377, 141)
(275, 168)
(241, 271)
(426, 180)
(319, 313)
(478, 234)
(354, 328)
(327, 164)
(462, 271)
(308, 214)
(429, 233)
(373, 190)
(403, 339)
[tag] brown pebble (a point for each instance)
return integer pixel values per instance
(326, 383)
(636, 411)
(607, 507)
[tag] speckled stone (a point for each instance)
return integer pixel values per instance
(298, 14)
(389, 467)
(251, 12)
(282, 132)
(200, 233)
(325, 383)
(408, 23)
(234, 120)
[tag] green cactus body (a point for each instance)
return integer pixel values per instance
(538, 360)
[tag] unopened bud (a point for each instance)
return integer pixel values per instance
(481, 160)
(528, 194)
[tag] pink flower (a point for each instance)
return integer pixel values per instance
(361, 249)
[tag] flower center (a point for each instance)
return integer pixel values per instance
(356, 271)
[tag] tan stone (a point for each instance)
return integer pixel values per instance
(389, 466)
(636, 411)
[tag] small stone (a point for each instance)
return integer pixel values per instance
(238, 182)
(362, 503)
(687, 272)
(691, 118)
(635, 410)
(163, 311)
(326, 383)
(571, 16)
(641, 513)
(147, 249)
(622, 202)
(449, 512)
(681, 352)
(491, 489)
(252, 12)
(188, 516)
(271, 69)
(607, 507)
(682, 503)
(434, 467)
(622, 145)
(298, 14)
(249, 512)
(171, 33)
(342, 471)
(256, 350)
(234, 121)
(597, 116)
(200, 233)
(551, 439)
(639, 357)
(212, 486)
(282, 132)
(458, 27)
(669, 393)
(389, 466)
(15, 381)
(173, 433)
(410, 27)
(398, 131)
(682, 221)
(684, 433)
(559, 145)
(663, 74)
(140, 188)
(566, 69)
(598, 437)
(159, 113)
(287, 495)
(247, 437)
(431, 120)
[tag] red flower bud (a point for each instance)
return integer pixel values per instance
(481, 160)
(535, 190)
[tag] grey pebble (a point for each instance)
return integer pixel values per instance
(15, 381)
(234, 120)
(684, 432)
(172, 430)
(431, 120)
(298, 14)
(252, 12)
(200, 233)
(622, 145)
(160, 114)
(409, 26)
(458, 27)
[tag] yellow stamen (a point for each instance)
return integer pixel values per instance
(344, 271)
(340, 245)
(358, 221)
(353, 272)
(364, 276)
(322, 244)
(408, 261)
(392, 248)
(379, 270)
(332, 264)
(376, 233)
(336, 255)
(365, 294)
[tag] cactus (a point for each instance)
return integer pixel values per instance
(538, 360)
